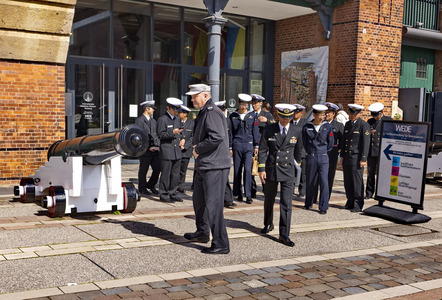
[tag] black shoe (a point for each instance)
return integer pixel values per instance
(197, 237)
(154, 190)
(145, 192)
(215, 250)
(181, 190)
(229, 205)
(322, 212)
(286, 241)
(239, 198)
(167, 200)
(249, 200)
(267, 228)
(301, 195)
(368, 196)
(177, 199)
(307, 207)
(348, 207)
(254, 195)
(356, 210)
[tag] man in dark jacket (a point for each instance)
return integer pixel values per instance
(186, 149)
(279, 145)
(377, 113)
(354, 152)
(151, 157)
(169, 133)
(212, 164)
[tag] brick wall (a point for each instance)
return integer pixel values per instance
(363, 67)
(438, 62)
(32, 113)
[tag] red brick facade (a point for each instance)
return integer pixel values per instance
(363, 68)
(32, 116)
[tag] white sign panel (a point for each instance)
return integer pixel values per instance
(402, 162)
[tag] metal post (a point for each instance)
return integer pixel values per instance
(214, 25)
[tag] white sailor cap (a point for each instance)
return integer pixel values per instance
(256, 97)
(149, 103)
(318, 108)
(299, 107)
(376, 107)
(174, 102)
(285, 110)
(184, 109)
(244, 97)
(355, 108)
(331, 106)
(198, 88)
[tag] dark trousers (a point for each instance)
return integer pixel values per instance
(145, 162)
(228, 196)
(317, 172)
(170, 178)
(354, 185)
(183, 171)
(285, 204)
(242, 157)
(208, 203)
(302, 183)
(372, 167)
(332, 163)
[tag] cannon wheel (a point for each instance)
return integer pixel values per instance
(130, 196)
(59, 207)
(29, 190)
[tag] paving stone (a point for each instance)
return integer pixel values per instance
(255, 283)
(353, 282)
(311, 275)
(276, 288)
(218, 297)
(294, 277)
(346, 276)
(115, 291)
(257, 290)
(299, 291)
(377, 286)
(274, 280)
(234, 280)
(281, 294)
(253, 271)
(290, 267)
(320, 296)
(354, 290)
(155, 291)
(197, 285)
(336, 293)
(179, 295)
(160, 284)
(263, 297)
(272, 269)
(90, 295)
(175, 282)
(217, 282)
(65, 297)
(337, 284)
(108, 297)
(215, 277)
(177, 288)
(238, 286)
(197, 279)
(220, 289)
(271, 275)
(200, 292)
(318, 288)
(293, 285)
(238, 293)
(133, 294)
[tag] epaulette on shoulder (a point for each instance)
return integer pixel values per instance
(210, 108)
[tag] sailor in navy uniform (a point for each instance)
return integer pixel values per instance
(151, 157)
(300, 169)
(244, 138)
(279, 145)
(354, 152)
(338, 131)
(375, 122)
(186, 149)
(264, 118)
(169, 133)
(317, 137)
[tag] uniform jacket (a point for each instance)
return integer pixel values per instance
(317, 142)
(375, 128)
(301, 122)
(338, 132)
(210, 137)
(243, 131)
(276, 155)
(169, 142)
(356, 142)
(150, 127)
(187, 134)
(269, 117)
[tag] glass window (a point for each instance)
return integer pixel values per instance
(257, 31)
(195, 38)
(131, 30)
(257, 83)
(165, 85)
(90, 29)
(230, 87)
(234, 35)
(167, 34)
(421, 68)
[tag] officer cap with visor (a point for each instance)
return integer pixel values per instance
(376, 108)
(198, 88)
(298, 107)
(355, 108)
(256, 97)
(244, 98)
(184, 109)
(285, 110)
(148, 103)
(318, 108)
(331, 106)
(221, 104)
(175, 103)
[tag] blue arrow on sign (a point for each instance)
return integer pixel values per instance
(388, 152)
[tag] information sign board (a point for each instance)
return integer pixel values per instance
(403, 162)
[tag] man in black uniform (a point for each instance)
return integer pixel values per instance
(317, 137)
(169, 133)
(151, 157)
(338, 131)
(187, 126)
(354, 152)
(212, 164)
(300, 122)
(377, 113)
(280, 144)
(228, 197)
(264, 118)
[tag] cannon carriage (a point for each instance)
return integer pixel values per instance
(84, 174)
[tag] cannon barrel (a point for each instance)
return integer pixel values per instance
(96, 149)
(434, 148)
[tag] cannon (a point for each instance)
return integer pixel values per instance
(434, 163)
(84, 174)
